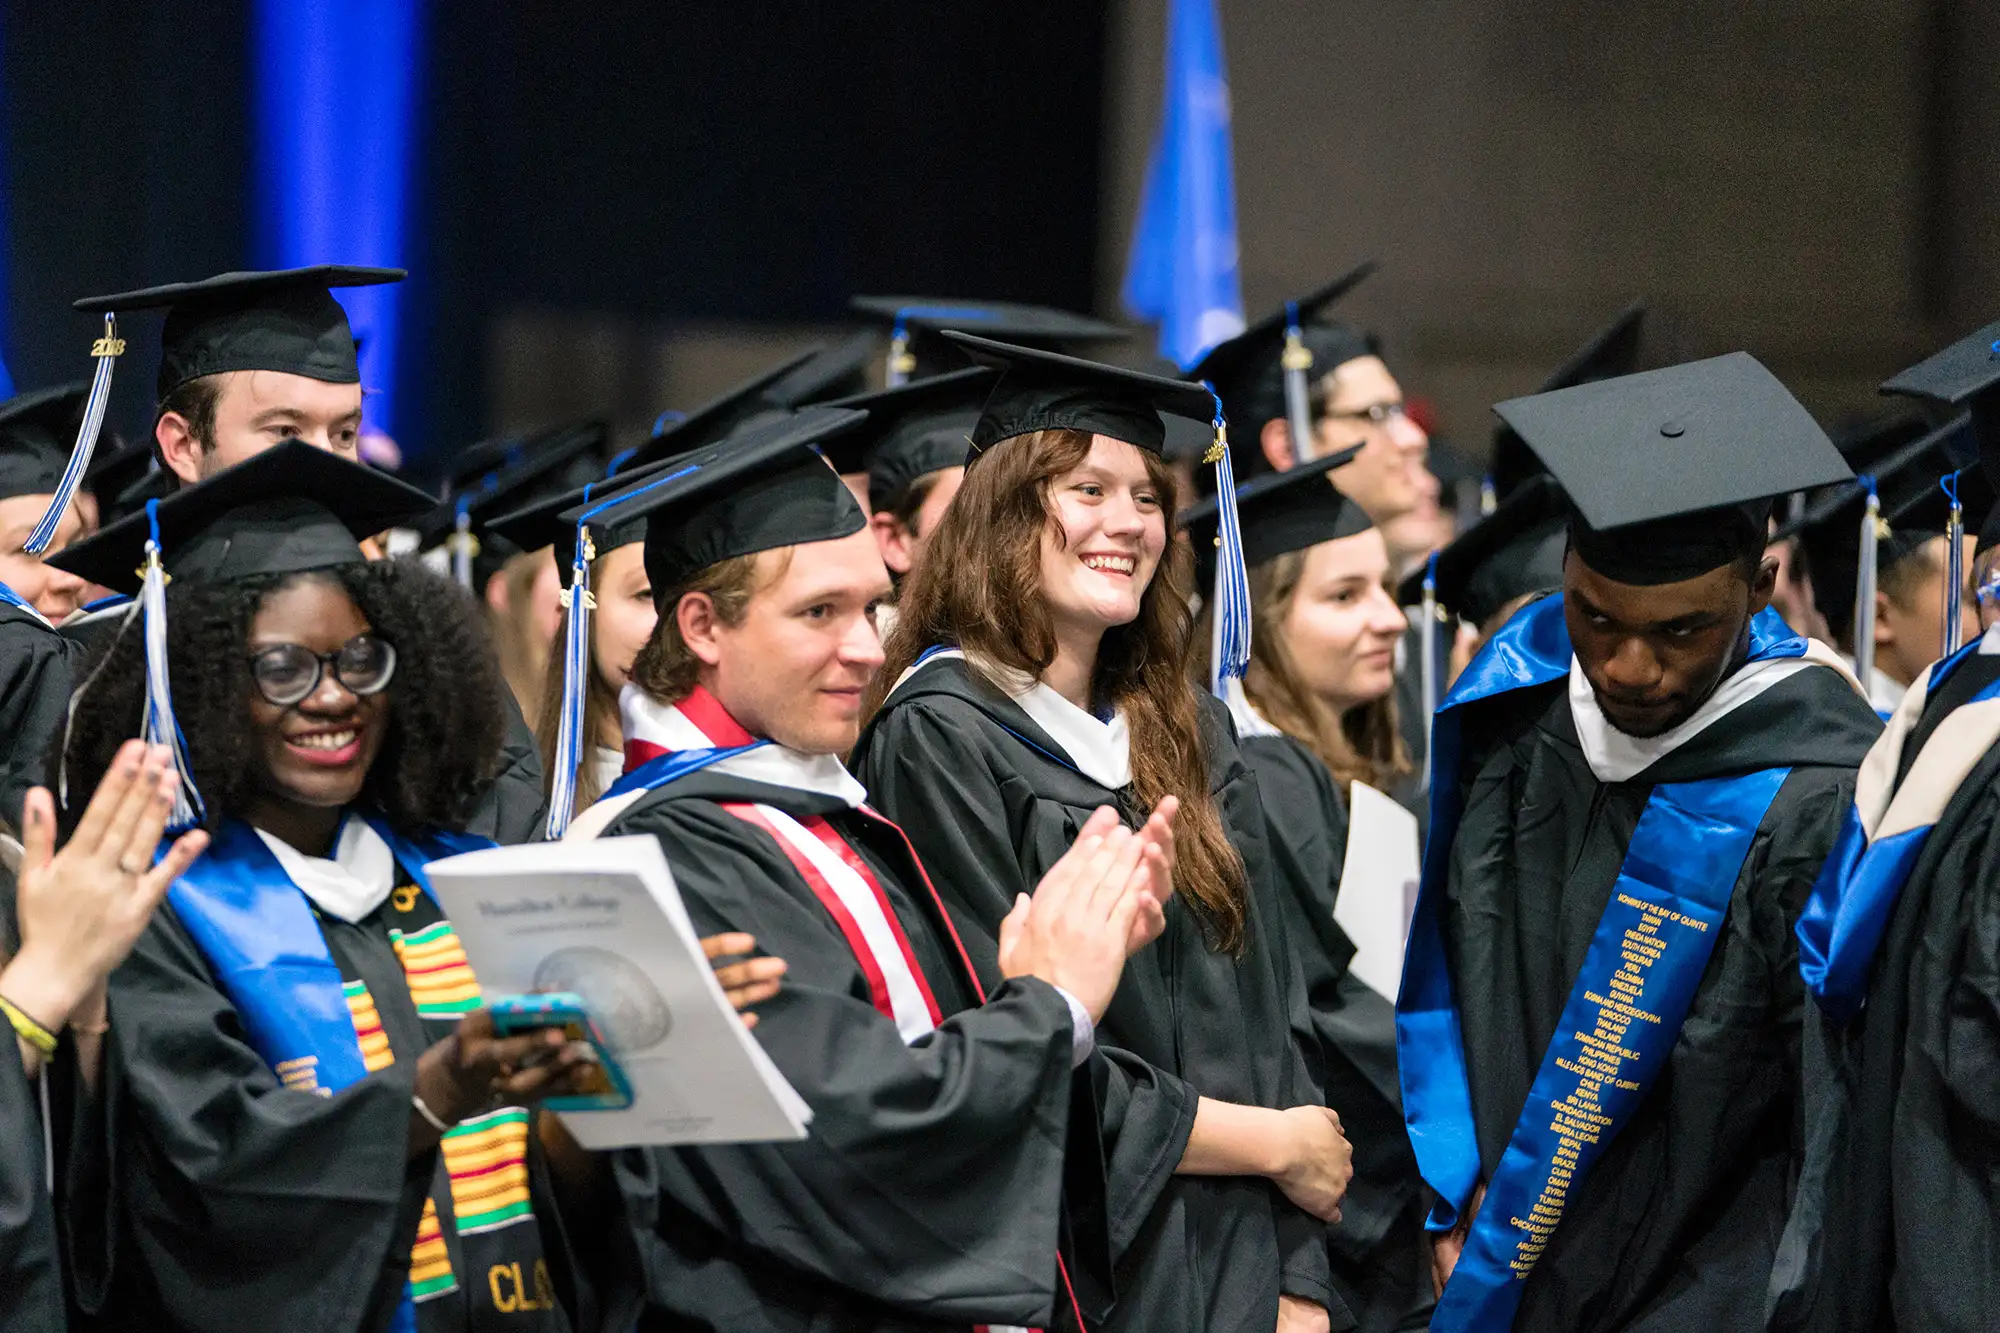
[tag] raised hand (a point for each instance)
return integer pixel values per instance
(1076, 929)
(81, 909)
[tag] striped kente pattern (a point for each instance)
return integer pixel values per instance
(441, 980)
(487, 1157)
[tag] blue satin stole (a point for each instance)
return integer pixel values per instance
(1848, 910)
(664, 768)
(1623, 1014)
(258, 932)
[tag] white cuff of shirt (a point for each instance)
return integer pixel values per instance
(1082, 1032)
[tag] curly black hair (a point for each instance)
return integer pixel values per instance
(447, 721)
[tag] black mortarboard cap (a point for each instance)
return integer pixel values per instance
(839, 371)
(548, 463)
(913, 430)
(920, 319)
(761, 489)
(1280, 512)
(1671, 471)
(1515, 551)
(1965, 373)
(1040, 390)
(744, 404)
(1248, 371)
(1612, 351)
(285, 320)
(286, 510)
(36, 432)
(1908, 462)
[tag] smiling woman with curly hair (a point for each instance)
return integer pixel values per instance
(303, 1076)
(440, 742)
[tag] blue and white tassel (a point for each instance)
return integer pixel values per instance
(1229, 652)
(1954, 568)
(1427, 642)
(464, 546)
(158, 726)
(1297, 360)
(1864, 582)
(579, 602)
(107, 350)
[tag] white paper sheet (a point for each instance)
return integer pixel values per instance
(1378, 886)
(603, 919)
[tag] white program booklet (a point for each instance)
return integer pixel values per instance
(603, 919)
(1378, 886)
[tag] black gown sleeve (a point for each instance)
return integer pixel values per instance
(513, 809)
(932, 1176)
(972, 823)
(235, 1202)
(34, 696)
(31, 1280)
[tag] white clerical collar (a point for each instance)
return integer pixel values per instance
(1614, 756)
(353, 883)
(666, 726)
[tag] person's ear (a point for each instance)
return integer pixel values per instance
(1765, 585)
(698, 623)
(178, 448)
(1276, 442)
(1885, 628)
(497, 600)
(894, 541)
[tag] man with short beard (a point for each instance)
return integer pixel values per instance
(1635, 783)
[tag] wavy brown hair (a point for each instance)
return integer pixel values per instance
(978, 588)
(1361, 744)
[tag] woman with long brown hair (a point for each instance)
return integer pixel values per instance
(1038, 671)
(1314, 714)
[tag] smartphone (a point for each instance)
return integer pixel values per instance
(605, 1087)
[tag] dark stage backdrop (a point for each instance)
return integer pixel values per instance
(687, 160)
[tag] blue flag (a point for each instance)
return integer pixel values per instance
(1182, 270)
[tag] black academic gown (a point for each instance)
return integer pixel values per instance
(1898, 1224)
(513, 809)
(930, 1193)
(1676, 1226)
(35, 663)
(231, 1203)
(973, 780)
(1379, 1255)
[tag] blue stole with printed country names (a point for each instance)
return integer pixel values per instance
(259, 935)
(1623, 1014)
(1880, 839)
(664, 768)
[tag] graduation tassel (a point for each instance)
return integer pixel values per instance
(1427, 641)
(158, 726)
(1954, 566)
(579, 602)
(1297, 360)
(1489, 498)
(464, 546)
(902, 364)
(1864, 582)
(1229, 650)
(107, 350)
